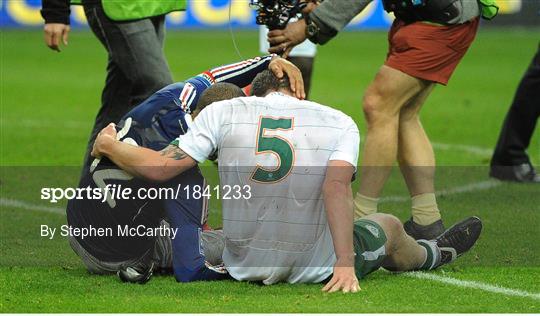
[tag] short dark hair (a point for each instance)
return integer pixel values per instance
(218, 92)
(266, 81)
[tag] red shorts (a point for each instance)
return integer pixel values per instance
(429, 52)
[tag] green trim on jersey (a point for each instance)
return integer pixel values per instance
(369, 239)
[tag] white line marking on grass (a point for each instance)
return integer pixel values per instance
(31, 207)
(471, 187)
(473, 285)
(32, 123)
(481, 151)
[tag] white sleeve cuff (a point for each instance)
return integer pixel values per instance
(192, 152)
(344, 157)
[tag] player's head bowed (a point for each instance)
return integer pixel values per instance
(218, 92)
(266, 82)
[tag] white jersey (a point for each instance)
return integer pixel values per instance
(279, 147)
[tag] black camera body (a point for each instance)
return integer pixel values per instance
(275, 14)
(438, 11)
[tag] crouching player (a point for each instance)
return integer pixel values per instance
(299, 158)
(192, 252)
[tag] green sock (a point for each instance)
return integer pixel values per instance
(433, 254)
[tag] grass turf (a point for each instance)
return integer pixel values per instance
(48, 101)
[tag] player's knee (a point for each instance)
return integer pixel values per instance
(391, 224)
(370, 104)
(375, 111)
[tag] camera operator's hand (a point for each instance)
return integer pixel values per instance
(311, 5)
(283, 41)
(281, 67)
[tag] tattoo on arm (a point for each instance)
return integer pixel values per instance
(173, 152)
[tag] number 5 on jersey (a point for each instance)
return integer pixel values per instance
(276, 145)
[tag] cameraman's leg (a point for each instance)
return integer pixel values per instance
(136, 64)
(417, 161)
(387, 94)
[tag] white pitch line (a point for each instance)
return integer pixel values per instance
(473, 285)
(31, 207)
(481, 151)
(32, 123)
(471, 187)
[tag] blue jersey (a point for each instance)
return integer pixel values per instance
(162, 117)
(154, 124)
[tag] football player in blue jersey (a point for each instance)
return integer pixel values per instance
(167, 232)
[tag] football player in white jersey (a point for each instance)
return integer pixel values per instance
(290, 164)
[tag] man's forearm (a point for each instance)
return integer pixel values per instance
(242, 73)
(146, 163)
(338, 204)
(333, 15)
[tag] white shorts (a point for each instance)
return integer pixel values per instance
(305, 49)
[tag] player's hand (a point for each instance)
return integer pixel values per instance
(54, 33)
(220, 268)
(344, 279)
(280, 67)
(283, 41)
(104, 139)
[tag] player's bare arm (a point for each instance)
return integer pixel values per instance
(338, 202)
(157, 166)
(173, 152)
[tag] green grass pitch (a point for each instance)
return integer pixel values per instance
(48, 101)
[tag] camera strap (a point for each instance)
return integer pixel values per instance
(437, 11)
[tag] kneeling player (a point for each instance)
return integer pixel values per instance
(154, 124)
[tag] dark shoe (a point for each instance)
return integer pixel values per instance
(139, 274)
(428, 232)
(458, 239)
(520, 173)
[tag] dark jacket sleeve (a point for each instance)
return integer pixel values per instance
(332, 16)
(55, 11)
